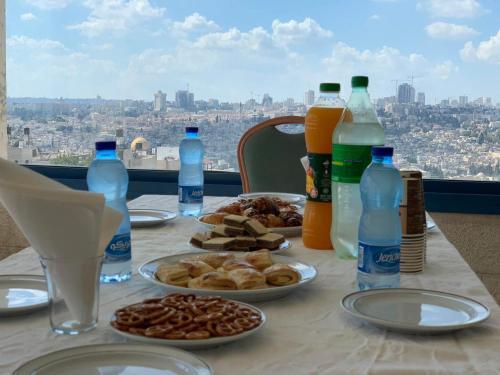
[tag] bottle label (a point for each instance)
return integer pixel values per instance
(119, 249)
(318, 178)
(191, 194)
(378, 259)
(349, 162)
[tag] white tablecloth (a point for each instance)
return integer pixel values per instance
(307, 332)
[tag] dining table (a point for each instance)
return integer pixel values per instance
(307, 332)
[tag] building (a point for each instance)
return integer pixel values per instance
(267, 100)
(421, 98)
(160, 103)
(309, 97)
(463, 100)
(445, 103)
(406, 94)
(184, 99)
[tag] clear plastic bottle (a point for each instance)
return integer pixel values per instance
(191, 153)
(321, 120)
(353, 137)
(108, 175)
(380, 225)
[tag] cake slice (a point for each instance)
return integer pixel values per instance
(255, 228)
(218, 243)
(219, 231)
(234, 231)
(235, 220)
(245, 241)
(270, 240)
(198, 238)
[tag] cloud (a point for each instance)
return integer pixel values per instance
(27, 42)
(116, 16)
(49, 4)
(486, 51)
(27, 17)
(194, 22)
(452, 8)
(293, 31)
(445, 70)
(444, 30)
(253, 40)
(374, 17)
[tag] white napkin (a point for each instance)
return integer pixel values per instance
(60, 223)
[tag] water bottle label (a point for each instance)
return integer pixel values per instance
(119, 249)
(318, 178)
(349, 162)
(378, 259)
(191, 194)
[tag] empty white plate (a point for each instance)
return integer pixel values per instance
(415, 310)
(286, 197)
(116, 359)
(22, 293)
(147, 218)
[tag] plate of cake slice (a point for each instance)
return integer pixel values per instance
(254, 276)
(239, 233)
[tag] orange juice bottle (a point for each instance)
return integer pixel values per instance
(320, 123)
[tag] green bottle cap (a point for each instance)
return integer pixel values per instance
(329, 87)
(359, 81)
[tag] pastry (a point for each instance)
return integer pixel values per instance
(234, 264)
(255, 228)
(195, 267)
(213, 219)
(235, 220)
(219, 243)
(270, 240)
(215, 259)
(260, 259)
(234, 231)
(173, 275)
(246, 241)
(281, 274)
(219, 231)
(198, 238)
(248, 278)
(212, 280)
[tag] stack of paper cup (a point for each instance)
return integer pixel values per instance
(413, 225)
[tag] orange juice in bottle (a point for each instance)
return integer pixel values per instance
(320, 123)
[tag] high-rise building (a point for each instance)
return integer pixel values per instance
(309, 97)
(445, 103)
(463, 100)
(421, 98)
(184, 99)
(267, 100)
(160, 102)
(406, 94)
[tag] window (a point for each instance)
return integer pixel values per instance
(142, 70)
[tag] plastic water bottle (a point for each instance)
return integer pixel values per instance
(108, 175)
(380, 226)
(191, 174)
(352, 140)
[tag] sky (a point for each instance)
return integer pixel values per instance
(234, 50)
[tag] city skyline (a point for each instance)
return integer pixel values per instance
(130, 48)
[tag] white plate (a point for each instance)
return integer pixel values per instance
(22, 293)
(148, 218)
(282, 248)
(197, 344)
(116, 359)
(307, 274)
(415, 310)
(286, 197)
(430, 224)
(285, 231)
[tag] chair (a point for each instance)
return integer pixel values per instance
(269, 159)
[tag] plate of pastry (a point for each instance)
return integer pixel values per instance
(285, 197)
(253, 276)
(239, 233)
(275, 214)
(188, 321)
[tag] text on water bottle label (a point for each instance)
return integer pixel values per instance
(190, 194)
(378, 259)
(119, 249)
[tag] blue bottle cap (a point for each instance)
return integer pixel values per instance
(382, 151)
(192, 130)
(105, 145)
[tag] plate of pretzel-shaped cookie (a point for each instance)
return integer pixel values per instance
(255, 276)
(188, 321)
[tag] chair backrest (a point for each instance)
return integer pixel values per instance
(269, 159)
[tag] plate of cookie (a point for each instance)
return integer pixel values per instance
(188, 321)
(253, 276)
(239, 233)
(275, 214)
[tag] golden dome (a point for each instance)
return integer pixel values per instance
(139, 140)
